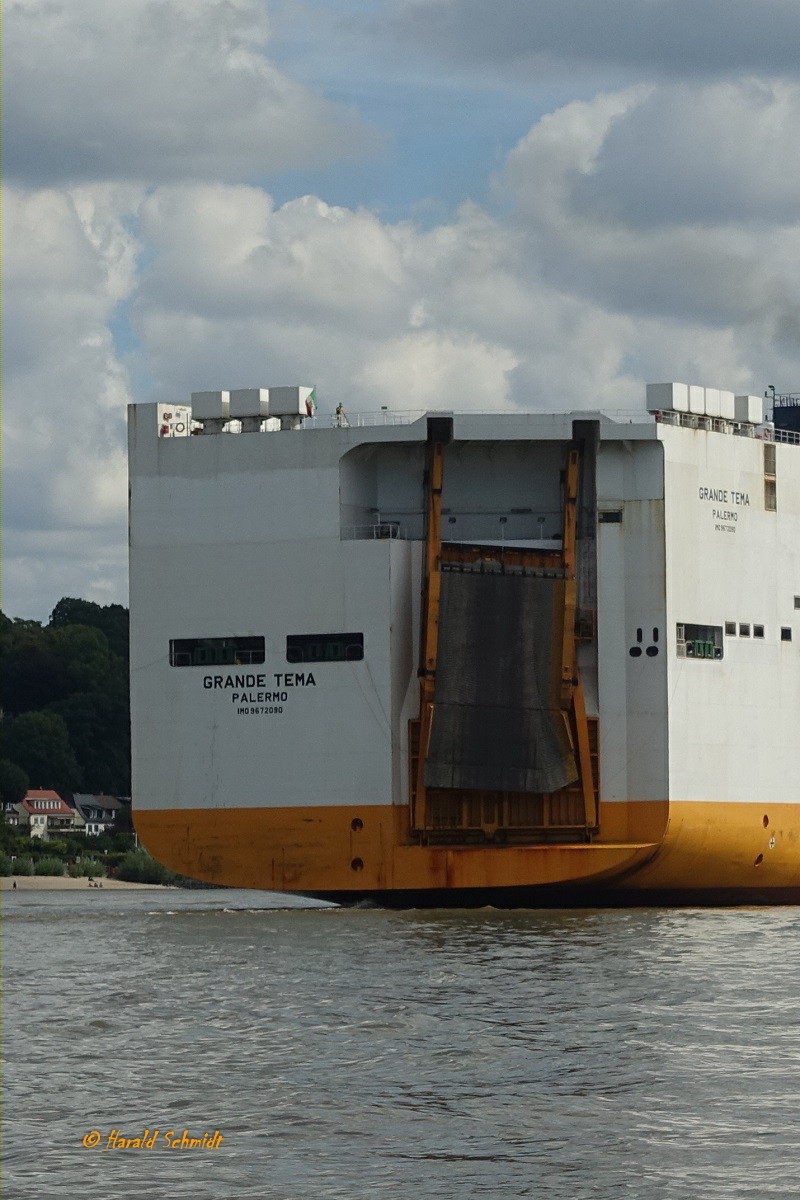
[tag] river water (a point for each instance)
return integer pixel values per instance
(362, 1054)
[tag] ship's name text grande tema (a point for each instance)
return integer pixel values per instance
(724, 496)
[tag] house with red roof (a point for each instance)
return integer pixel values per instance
(47, 814)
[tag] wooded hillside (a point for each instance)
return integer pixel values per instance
(64, 695)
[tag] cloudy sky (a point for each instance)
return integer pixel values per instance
(405, 202)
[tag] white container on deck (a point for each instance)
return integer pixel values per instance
(727, 408)
(697, 399)
(291, 401)
(250, 402)
(713, 402)
(667, 397)
(210, 406)
(749, 409)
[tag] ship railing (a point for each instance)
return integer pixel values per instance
(365, 420)
(378, 531)
(328, 420)
(766, 431)
(699, 421)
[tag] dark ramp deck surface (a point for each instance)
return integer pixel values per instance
(497, 721)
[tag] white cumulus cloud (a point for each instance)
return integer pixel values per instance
(649, 232)
(70, 261)
(158, 89)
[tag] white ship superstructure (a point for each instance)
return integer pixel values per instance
(467, 657)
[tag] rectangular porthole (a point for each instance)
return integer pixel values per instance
(699, 641)
(770, 481)
(610, 517)
(786, 633)
(216, 652)
(730, 629)
(324, 647)
(797, 601)
(758, 631)
(744, 630)
(770, 495)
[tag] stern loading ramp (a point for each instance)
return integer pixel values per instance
(502, 749)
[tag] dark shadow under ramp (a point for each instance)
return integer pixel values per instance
(497, 720)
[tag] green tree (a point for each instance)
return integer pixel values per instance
(98, 727)
(14, 841)
(32, 673)
(73, 672)
(39, 743)
(14, 783)
(84, 652)
(57, 847)
(111, 619)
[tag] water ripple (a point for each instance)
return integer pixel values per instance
(358, 1053)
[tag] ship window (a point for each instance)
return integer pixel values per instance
(786, 633)
(758, 631)
(744, 631)
(324, 647)
(730, 629)
(699, 641)
(770, 486)
(797, 601)
(610, 517)
(216, 652)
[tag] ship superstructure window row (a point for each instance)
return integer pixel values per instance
(705, 641)
(251, 651)
(216, 652)
(324, 647)
(757, 631)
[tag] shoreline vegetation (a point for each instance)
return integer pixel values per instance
(65, 860)
(65, 728)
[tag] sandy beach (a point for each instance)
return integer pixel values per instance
(62, 883)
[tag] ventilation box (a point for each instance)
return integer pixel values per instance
(291, 402)
(713, 408)
(250, 402)
(727, 408)
(697, 400)
(210, 406)
(667, 397)
(749, 409)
